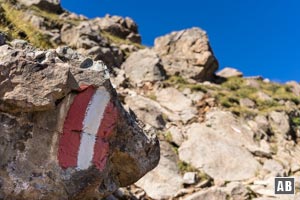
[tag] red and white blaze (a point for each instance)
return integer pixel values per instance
(89, 123)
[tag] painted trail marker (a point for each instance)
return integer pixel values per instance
(89, 123)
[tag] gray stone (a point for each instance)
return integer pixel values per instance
(219, 156)
(245, 102)
(35, 101)
(279, 122)
(143, 65)
(164, 181)
(227, 125)
(175, 101)
(190, 178)
(124, 28)
(146, 110)
(49, 5)
(274, 167)
(211, 194)
(177, 134)
(188, 54)
(228, 72)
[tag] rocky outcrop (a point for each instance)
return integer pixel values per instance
(124, 28)
(48, 5)
(65, 126)
(187, 53)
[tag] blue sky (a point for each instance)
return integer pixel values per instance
(256, 37)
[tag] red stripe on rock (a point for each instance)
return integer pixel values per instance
(70, 139)
(105, 130)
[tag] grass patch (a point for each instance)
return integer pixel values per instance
(117, 40)
(236, 88)
(186, 167)
(22, 29)
(296, 121)
(181, 84)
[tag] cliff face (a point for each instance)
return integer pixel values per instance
(65, 134)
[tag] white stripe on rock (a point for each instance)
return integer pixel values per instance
(91, 124)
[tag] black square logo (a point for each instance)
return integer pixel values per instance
(284, 185)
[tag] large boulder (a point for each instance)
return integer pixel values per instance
(165, 180)
(48, 5)
(143, 65)
(124, 28)
(63, 132)
(228, 72)
(221, 157)
(187, 53)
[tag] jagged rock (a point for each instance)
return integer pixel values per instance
(146, 110)
(164, 181)
(228, 72)
(86, 37)
(143, 65)
(237, 191)
(63, 132)
(227, 125)
(218, 155)
(187, 53)
(124, 28)
(49, 5)
(176, 102)
(211, 194)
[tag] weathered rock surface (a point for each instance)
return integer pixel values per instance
(176, 102)
(146, 110)
(124, 28)
(164, 181)
(63, 133)
(219, 156)
(144, 65)
(188, 54)
(212, 194)
(228, 72)
(49, 5)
